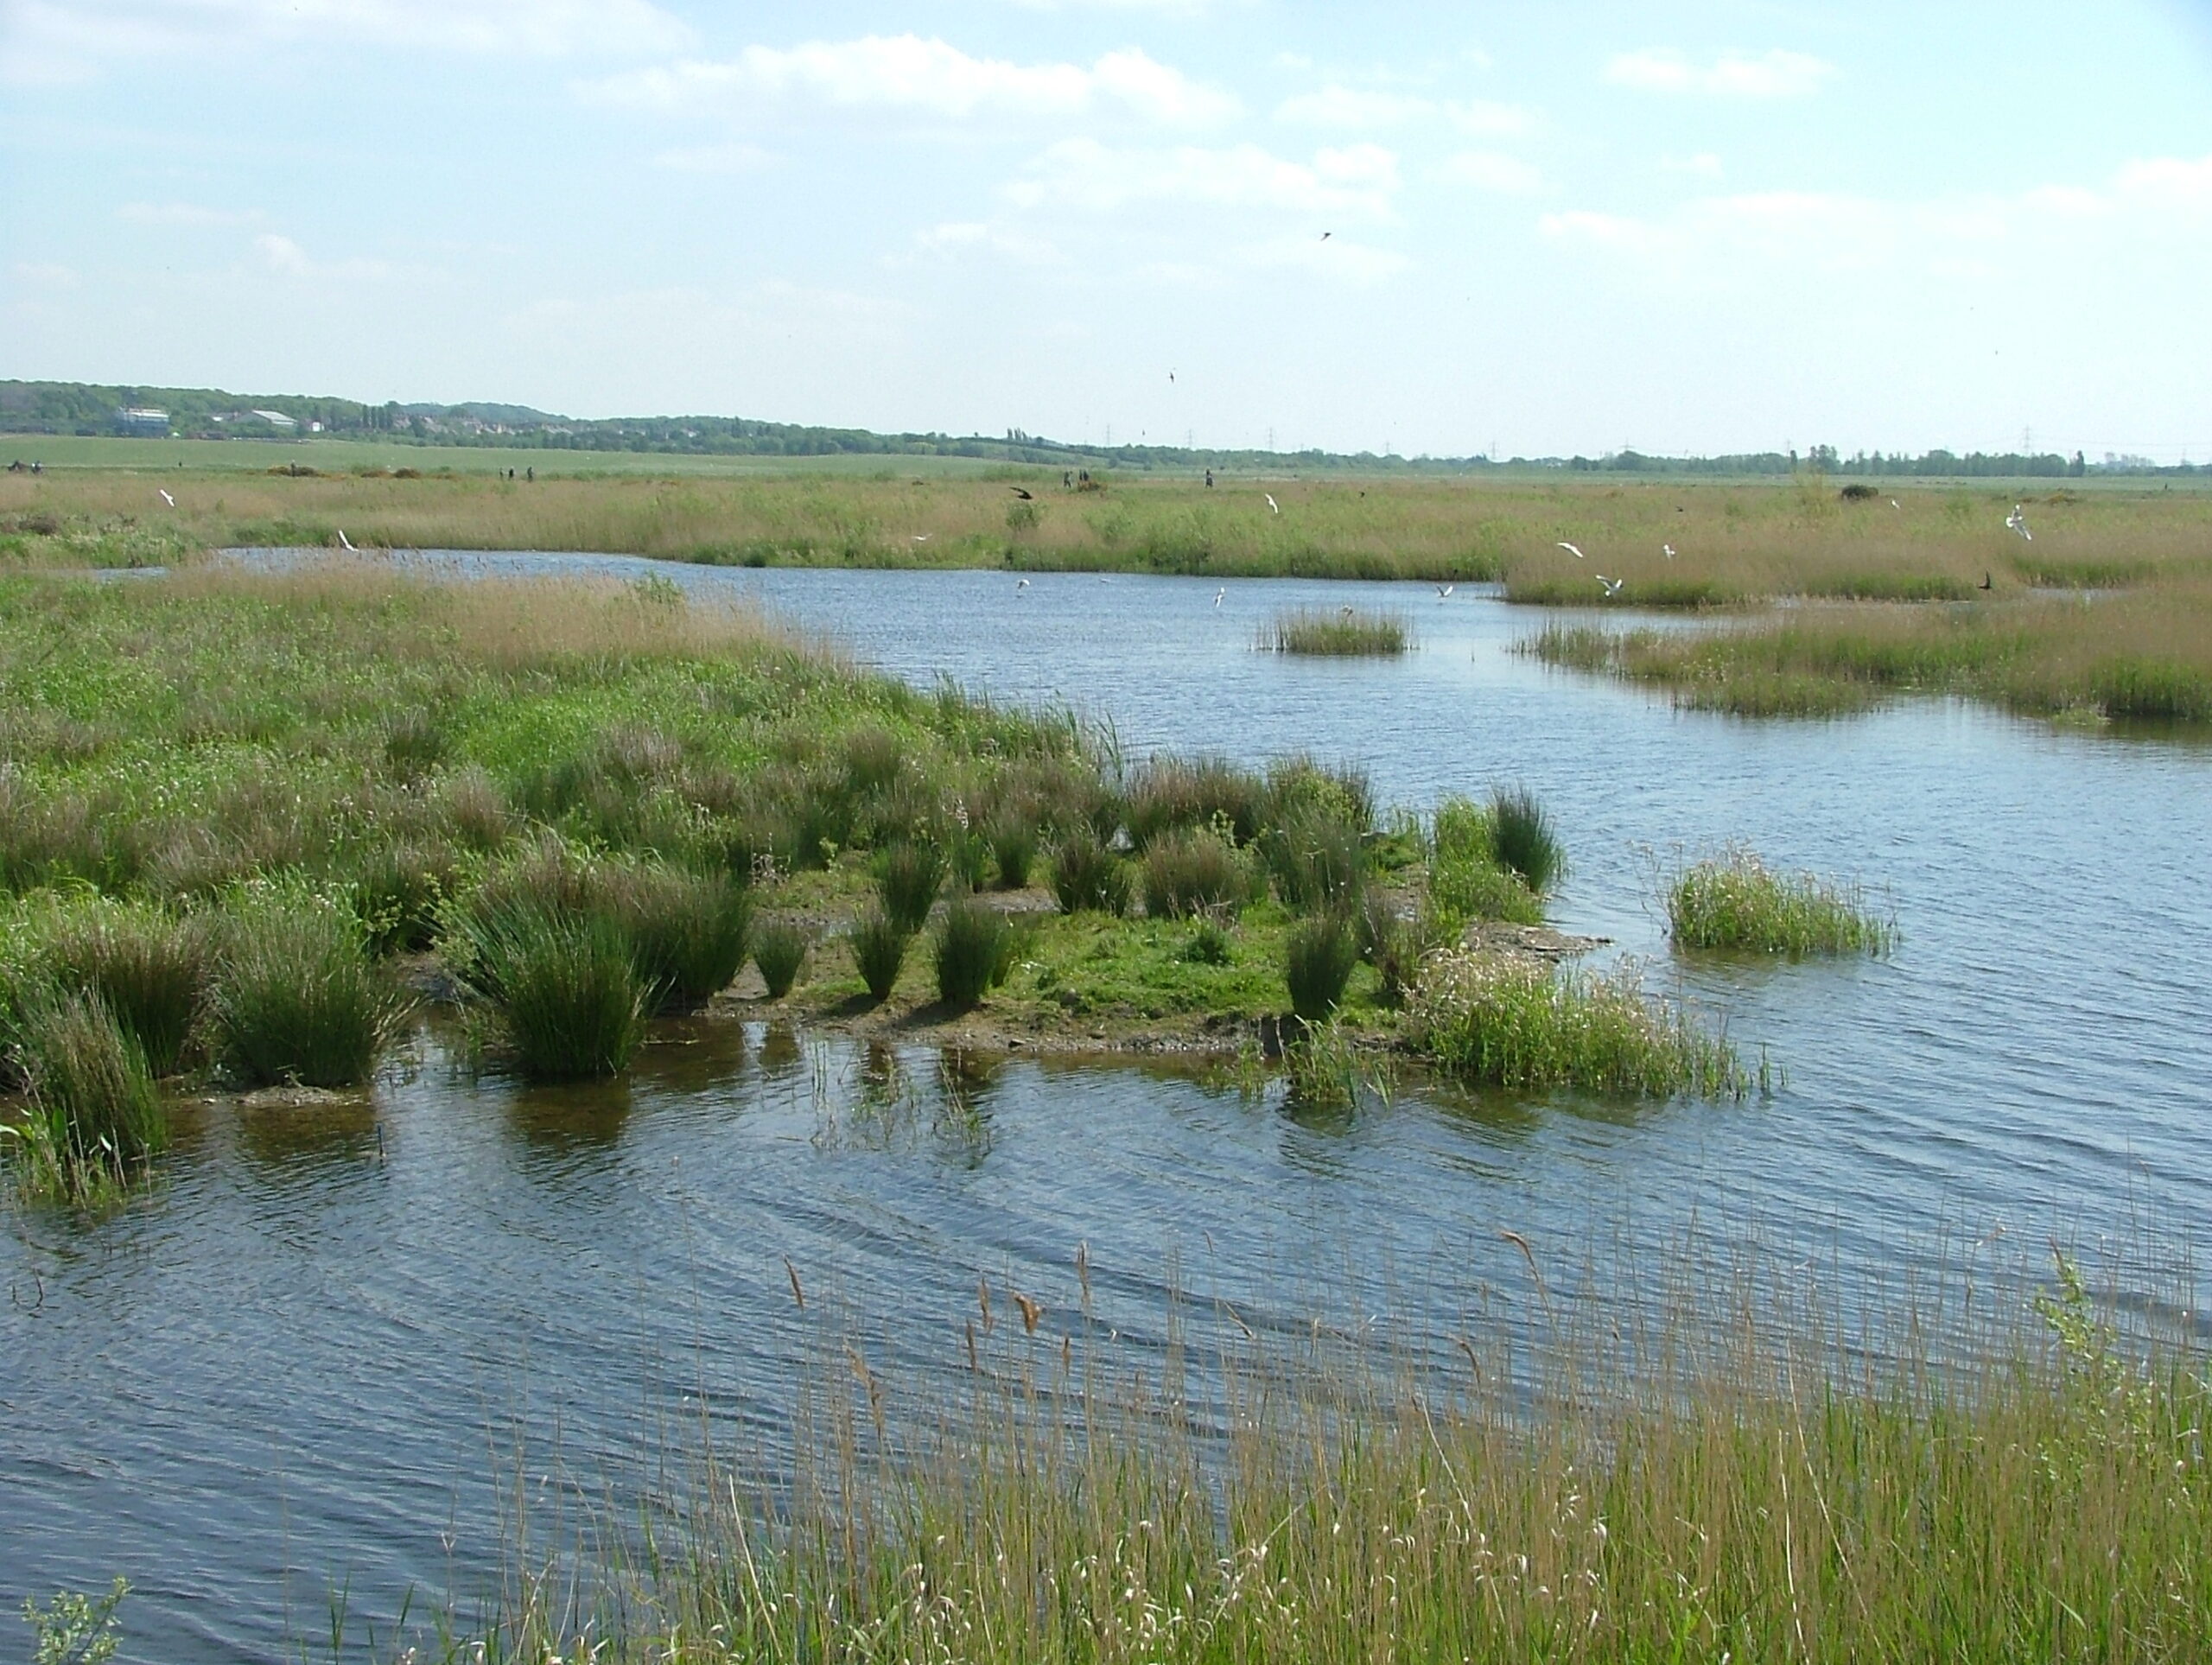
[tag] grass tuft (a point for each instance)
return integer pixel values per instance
(1014, 847)
(1318, 957)
(569, 1001)
(1189, 872)
(147, 967)
(971, 951)
(879, 945)
(1497, 1021)
(1343, 632)
(1735, 902)
(779, 948)
(908, 876)
(95, 1116)
(1087, 877)
(1522, 837)
(296, 998)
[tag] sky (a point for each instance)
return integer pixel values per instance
(1434, 229)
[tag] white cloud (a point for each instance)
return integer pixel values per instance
(1355, 107)
(71, 39)
(956, 238)
(1751, 235)
(1359, 179)
(1489, 170)
(285, 257)
(2176, 182)
(906, 73)
(1704, 165)
(282, 255)
(1482, 118)
(1774, 74)
(732, 158)
(184, 213)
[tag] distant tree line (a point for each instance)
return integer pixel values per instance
(83, 408)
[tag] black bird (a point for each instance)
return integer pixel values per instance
(1986, 584)
(1020, 493)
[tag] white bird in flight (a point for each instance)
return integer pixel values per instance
(1572, 550)
(921, 537)
(1443, 590)
(1613, 586)
(2018, 522)
(1022, 583)
(344, 541)
(1898, 507)
(1218, 593)
(1668, 549)
(1272, 508)
(166, 498)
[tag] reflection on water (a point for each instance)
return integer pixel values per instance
(276, 1373)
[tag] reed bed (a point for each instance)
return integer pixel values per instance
(1340, 633)
(1497, 1021)
(1733, 540)
(1735, 902)
(1743, 1476)
(2143, 655)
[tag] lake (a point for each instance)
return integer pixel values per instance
(316, 1355)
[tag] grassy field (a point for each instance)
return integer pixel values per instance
(1734, 542)
(1735, 1476)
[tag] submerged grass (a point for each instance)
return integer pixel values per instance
(1503, 1022)
(1343, 632)
(1736, 902)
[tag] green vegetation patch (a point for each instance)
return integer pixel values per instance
(1343, 632)
(1737, 902)
(1503, 1022)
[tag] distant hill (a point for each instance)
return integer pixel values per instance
(206, 412)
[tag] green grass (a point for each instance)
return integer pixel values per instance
(688, 933)
(149, 967)
(567, 1000)
(297, 997)
(971, 952)
(880, 944)
(1523, 839)
(1087, 877)
(94, 1117)
(1343, 632)
(2143, 655)
(1735, 902)
(1500, 1022)
(908, 876)
(779, 948)
(1733, 1479)
(1318, 957)
(1187, 872)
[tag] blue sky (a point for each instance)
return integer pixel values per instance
(1540, 229)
